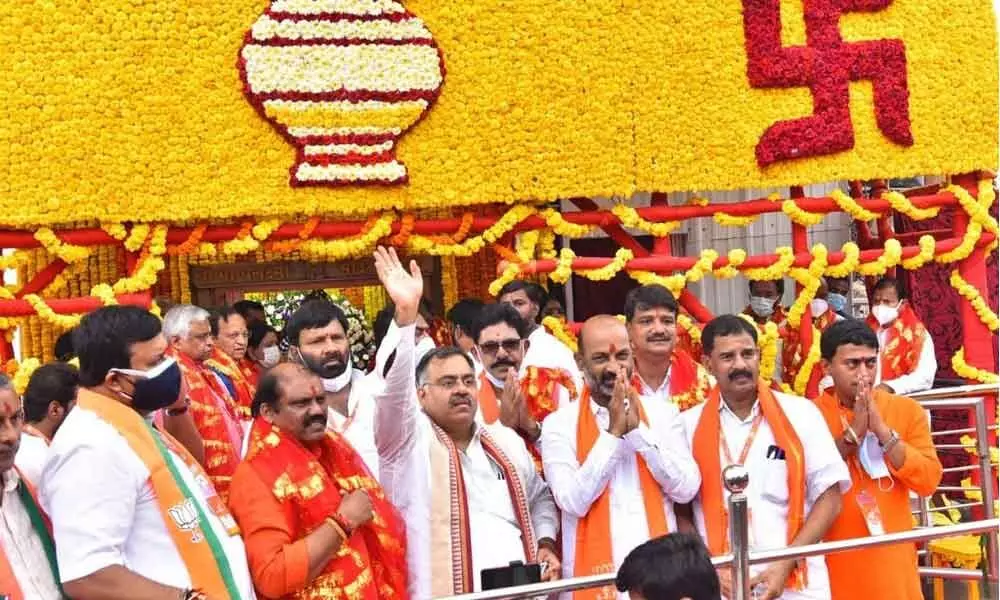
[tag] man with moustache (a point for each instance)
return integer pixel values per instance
(616, 462)
(229, 357)
(313, 518)
(521, 404)
(317, 332)
(664, 372)
(797, 475)
(27, 555)
(469, 492)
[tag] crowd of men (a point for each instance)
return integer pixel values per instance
(192, 458)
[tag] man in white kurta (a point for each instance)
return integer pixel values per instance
(614, 461)
(749, 438)
(113, 537)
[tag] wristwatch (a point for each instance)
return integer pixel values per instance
(852, 438)
(891, 442)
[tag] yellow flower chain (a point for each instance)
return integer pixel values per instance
(967, 371)
(927, 244)
(562, 227)
(728, 220)
(971, 294)
(808, 364)
(425, 245)
(564, 266)
(799, 216)
(688, 324)
(786, 257)
(674, 283)
(23, 374)
(697, 201)
(333, 250)
(559, 331)
(137, 237)
(510, 273)
(768, 343)
(18, 258)
(105, 293)
(47, 314)
(892, 253)
(263, 230)
(902, 204)
(736, 257)
(115, 230)
(630, 218)
(850, 206)
(608, 271)
(852, 257)
(527, 242)
(810, 280)
(147, 272)
(68, 253)
(547, 244)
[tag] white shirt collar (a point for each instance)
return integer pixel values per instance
(646, 389)
(724, 408)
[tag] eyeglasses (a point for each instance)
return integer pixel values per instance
(509, 346)
(452, 383)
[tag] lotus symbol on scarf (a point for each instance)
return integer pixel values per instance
(341, 80)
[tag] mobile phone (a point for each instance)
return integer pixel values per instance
(517, 573)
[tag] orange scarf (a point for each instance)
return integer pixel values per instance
(489, 404)
(795, 348)
(251, 372)
(706, 453)
(225, 364)
(903, 343)
(689, 381)
(217, 419)
(40, 523)
(310, 483)
(593, 532)
(538, 386)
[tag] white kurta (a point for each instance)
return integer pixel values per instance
(110, 515)
(768, 489)
(404, 434)
(31, 457)
(613, 462)
(22, 546)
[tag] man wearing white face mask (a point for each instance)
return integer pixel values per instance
(906, 358)
(886, 441)
(317, 334)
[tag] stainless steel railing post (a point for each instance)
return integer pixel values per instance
(986, 481)
(736, 478)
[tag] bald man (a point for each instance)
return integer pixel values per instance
(615, 464)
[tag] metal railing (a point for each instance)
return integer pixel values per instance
(736, 478)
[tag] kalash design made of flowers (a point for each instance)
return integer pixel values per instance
(342, 80)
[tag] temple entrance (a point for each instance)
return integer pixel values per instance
(223, 284)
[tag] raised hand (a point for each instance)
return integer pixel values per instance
(861, 404)
(511, 401)
(404, 288)
(632, 421)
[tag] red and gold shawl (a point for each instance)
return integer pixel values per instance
(795, 347)
(689, 380)
(227, 365)
(706, 450)
(309, 482)
(251, 372)
(217, 418)
(903, 343)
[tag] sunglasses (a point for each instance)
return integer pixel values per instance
(509, 346)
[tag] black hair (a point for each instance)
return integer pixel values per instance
(63, 350)
(889, 282)
(258, 331)
(245, 307)
(222, 315)
(501, 312)
(313, 314)
(670, 567)
(52, 382)
(380, 326)
(723, 326)
(268, 392)
(646, 297)
(104, 338)
(535, 292)
(779, 283)
(848, 331)
(464, 314)
(440, 353)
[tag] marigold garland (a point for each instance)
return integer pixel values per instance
(547, 244)
(527, 242)
(786, 258)
(427, 245)
(852, 257)
(850, 206)
(333, 250)
(692, 329)
(967, 371)
(561, 226)
(808, 363)
(564, 266)
(509, 274)
(927, 244)
(630, 218)
(263, 230)
(558, 329)
(735, 257)
(115, 230)
(769, 349)
(902, 205)
(892, 254)
(674, 283)
(137, 237)
(809, 278)
(608, 271)
(68, 253)
(800, 216)
(47, 314)
(971, 294)
(23, 374)
(243, 243)
(728, 220)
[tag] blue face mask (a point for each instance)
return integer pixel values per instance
(837, 302)
(156, 388)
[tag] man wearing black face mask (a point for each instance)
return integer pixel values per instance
(133, 514)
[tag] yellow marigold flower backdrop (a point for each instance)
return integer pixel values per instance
(116, 111)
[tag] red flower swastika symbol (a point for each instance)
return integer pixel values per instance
(826, 65)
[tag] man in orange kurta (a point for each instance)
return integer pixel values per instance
(315, 522)
(886, 441)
